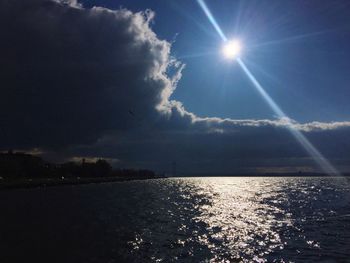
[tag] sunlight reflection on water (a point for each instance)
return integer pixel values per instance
(181, 219)
(256, 219)
(240, 225)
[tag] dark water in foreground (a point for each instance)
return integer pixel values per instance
(185, 220)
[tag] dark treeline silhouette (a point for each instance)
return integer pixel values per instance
(26, 166)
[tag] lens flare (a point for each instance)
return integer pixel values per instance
(232, 49)
(325, 165)
(211, 18)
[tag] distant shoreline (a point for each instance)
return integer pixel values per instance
(23, 170)
(267, 175)
(50, 182)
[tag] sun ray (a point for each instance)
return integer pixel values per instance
(300, 137)
(263, 71)
(197, 55)
(191, 17)
(211, 18)
(238, 17)
(324, 164)
(291, 39)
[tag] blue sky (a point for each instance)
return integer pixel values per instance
(82, 82)
(298, 50)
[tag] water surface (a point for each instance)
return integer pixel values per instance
(179, 219)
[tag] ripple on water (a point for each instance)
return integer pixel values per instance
(258, 219)
(186, 220)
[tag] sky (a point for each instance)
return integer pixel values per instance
(308, 76)
(144, 84)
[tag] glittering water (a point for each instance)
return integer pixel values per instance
(185, 220)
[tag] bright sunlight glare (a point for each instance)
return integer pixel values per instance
(232, 49)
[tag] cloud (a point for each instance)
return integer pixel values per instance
(212, 124)
(70, 74)
(96, 82)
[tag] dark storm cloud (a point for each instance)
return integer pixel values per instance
(69, 74)
(247, 149)
(94, 82)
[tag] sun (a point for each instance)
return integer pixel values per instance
(232, 49)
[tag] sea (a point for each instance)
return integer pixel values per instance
(202, 219)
